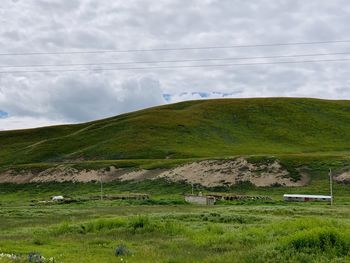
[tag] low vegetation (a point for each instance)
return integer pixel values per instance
(109, 232)
(194, 129)
(306, 136)
(166, 229)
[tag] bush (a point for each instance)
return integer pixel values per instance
(139, 222)
(39, 241)
(35, 257)
(319, 240)
(122, 250)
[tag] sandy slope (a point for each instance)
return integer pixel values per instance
(343, 177)
(207, 173)
(63, 173)
(229, 172)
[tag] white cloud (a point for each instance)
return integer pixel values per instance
(49, 26)
(15, 123)
(76, 99)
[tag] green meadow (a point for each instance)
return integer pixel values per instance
(167, 229)
(308, 134)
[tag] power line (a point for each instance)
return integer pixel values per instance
(172, 49)
(173, 67)
(173, 61)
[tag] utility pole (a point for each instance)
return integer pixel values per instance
(101, 187)
(331, 185)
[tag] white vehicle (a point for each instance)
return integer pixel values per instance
(57, 198)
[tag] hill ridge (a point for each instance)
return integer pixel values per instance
(190, 129)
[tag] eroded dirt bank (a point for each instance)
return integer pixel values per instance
(63, 173)
(344, 177)
(229, 172)
(207, 173)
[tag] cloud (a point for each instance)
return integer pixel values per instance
(77, 25)
(85, 98)
(96, 96)
(15, 123)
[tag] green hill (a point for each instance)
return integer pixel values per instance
(193, 129)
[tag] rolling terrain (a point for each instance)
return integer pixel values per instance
(193, 129)
(252, 147)
(293, 131)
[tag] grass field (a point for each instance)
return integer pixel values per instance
(164, 229)
(308, 134)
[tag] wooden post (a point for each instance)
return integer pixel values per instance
(331, 185)
(101, 187)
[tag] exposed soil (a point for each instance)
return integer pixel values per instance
(343, 178)
(229, 172)
(63, 173)
(207, 173)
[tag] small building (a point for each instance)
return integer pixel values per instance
(200, 199)
(306, 198)
(57, 198)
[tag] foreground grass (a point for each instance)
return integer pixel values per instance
(165, 229)
(184, 233)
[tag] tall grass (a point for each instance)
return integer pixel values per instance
(216, 234)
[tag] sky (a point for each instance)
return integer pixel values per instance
(64, 94)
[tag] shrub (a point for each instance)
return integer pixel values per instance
(319, 240)
(35, 257)
(122, 250)
(139, 222)
(38, 241)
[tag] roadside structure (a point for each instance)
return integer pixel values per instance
(200, 199)
(306, 198)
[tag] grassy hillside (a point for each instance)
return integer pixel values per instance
(310, 134)
(193, 129)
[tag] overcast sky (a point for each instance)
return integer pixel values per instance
(35, 99)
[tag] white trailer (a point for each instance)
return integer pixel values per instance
(306, 198)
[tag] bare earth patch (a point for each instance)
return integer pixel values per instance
(62, 173)
(229, 172)
(207, 173)
(343, 178)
